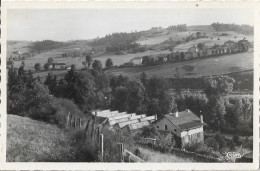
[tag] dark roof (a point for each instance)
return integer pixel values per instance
(137, 58)
(60, 63)
(186, 120)
(101, 120)
(190, 125)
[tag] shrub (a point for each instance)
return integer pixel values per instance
(212, 142)
(61, 107)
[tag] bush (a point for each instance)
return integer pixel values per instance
(61, 107)
(212, 142)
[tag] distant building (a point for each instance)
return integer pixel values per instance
(187, 127)
(58, 66)
(137, 61)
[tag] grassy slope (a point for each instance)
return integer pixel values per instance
(204, 67)
(155, 156)
(34, 141)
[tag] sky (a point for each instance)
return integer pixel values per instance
(78, 24)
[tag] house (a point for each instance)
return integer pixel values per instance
(58, 65)
(193, 49)
(137, 61)
(187, 127)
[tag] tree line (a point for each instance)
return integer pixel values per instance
(89, 89)
(244, 29)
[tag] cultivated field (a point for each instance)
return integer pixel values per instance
(34, 141)
(203, 67)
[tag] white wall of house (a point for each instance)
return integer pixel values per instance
(137, 62)
(192, 131)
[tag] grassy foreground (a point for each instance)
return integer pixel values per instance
(35, 141)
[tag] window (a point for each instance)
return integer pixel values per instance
(165, 127)
(157, 127)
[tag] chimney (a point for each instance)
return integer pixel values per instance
(201, 119)
(176, 114)
(187, 110)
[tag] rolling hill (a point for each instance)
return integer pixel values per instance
(156, 41)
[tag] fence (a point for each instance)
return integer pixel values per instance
(93, 132)
(179, 152)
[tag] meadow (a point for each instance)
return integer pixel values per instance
(35, 141)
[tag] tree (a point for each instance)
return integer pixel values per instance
(97, 66)
(46, 66)
(201, 46)
(218, 86)
(188, 68)
(89, 60)
(153, 107)
(156, 86)
(143, 78)
(119, 100)
(109, 63)
(37, 67)
(217, 113)
(80, 88)
(50, 60)
(135, 98)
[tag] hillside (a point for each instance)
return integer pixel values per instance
(203, 67)
(156, 41)
(35, 141)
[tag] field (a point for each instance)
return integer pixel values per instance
(34, 141)
(203, 67)
(154, 39)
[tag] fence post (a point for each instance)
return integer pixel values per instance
(101, 145)
(71, 122)
(120, 147)
(98, 140)
(68, 119)
(79, 122)
(75, 123)
(86, 129)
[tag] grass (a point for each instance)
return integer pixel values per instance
(204, 67)
(155, 156)
(35, 141)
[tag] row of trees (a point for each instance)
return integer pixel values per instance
(244, 29)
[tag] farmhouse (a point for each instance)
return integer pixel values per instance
(58, 66)
(185, 125)
(137, 61)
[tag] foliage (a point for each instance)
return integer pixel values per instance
(218, 86)
(37, 67)
(97, 66)
(109, 63)
(88, 60)
(244, 29)
(80, 88)
(41, 46)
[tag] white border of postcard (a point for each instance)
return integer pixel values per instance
(127, 166)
